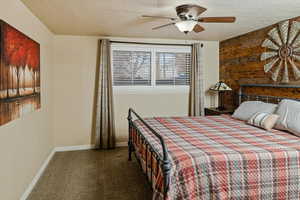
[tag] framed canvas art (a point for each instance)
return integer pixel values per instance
(19, 74)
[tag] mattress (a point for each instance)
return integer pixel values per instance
(218, 157)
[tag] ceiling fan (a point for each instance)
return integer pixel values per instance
(189, 17)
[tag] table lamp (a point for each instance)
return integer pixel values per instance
(221, 87)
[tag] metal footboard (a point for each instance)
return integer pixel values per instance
(165, 162)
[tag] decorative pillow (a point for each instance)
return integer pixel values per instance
(289, 120)
(248, 108)
(263, 120)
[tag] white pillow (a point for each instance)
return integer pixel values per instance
(248, 108)
(263, 120)
(269, 108)
(289, 120)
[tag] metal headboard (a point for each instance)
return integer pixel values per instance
(268, 99)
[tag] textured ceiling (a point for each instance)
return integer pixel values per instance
(122, 18)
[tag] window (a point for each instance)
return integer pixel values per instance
(173, 68)
(149, 65)
(131, 67)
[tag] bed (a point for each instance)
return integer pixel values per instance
(215, 157)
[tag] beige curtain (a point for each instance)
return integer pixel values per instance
(104, 116)
(196, 95)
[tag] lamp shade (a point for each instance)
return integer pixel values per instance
(220, 86)
(186, 26)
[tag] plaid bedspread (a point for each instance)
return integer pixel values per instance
(217, 157)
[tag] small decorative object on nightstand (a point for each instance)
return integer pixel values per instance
(221, 87)
(216, 111)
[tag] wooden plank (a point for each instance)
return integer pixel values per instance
(240, 60)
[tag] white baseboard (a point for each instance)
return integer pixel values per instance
(37, 176)
(74, 148)
(46, 162)
(121, 144)
(84, 147)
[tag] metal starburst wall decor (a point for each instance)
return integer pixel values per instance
(283, 52)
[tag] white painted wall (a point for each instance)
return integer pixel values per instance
(26, 142)
(73, 88)
(68, 65)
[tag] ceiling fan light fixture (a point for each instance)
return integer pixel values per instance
(188, 17)
(186, 26)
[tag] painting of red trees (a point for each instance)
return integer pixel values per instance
(19, 74)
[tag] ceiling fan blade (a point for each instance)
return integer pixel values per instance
(198, 29)
(159, 17)
(217, 19)
(162, 26)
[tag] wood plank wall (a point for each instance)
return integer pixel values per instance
(240, 63)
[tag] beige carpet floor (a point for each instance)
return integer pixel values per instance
(92, 175)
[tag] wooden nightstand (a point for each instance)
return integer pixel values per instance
(215, 111)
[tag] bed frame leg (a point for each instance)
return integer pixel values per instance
(166, 172)
(129, 151)
(129, 118)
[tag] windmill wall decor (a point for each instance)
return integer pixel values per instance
(283, 52)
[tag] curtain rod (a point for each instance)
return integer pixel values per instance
(146, 43)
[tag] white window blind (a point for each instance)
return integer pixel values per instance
(149, 65)
(173, 68)
(131, 68)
